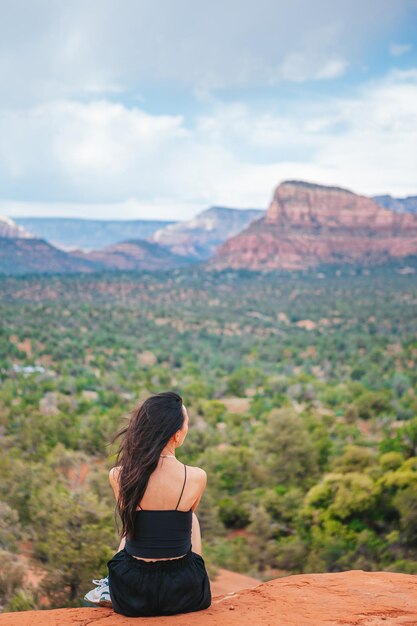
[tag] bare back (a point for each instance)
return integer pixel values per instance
(165, 486)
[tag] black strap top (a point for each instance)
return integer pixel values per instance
(161, 533)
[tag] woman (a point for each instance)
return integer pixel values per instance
(158, 569)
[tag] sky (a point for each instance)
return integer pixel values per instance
(158, 109)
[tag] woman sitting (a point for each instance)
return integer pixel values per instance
(159, 569)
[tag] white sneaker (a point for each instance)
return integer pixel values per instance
(105, 599)
(101, 582)
(100, 595)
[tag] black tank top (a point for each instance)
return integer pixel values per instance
(161, 534)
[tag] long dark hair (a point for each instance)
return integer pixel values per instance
(151, 426)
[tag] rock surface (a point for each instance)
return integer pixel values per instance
(352, 598)
(199, 237)
(9, 228)
(308, 224)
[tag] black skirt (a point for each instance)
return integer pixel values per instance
(152, 588)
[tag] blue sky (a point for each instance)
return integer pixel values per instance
(161, 108)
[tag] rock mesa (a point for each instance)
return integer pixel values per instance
(307, 225)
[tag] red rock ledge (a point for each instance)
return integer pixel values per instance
(354, 598)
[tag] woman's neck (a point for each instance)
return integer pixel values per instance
(167, 452)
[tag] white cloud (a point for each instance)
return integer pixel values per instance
(332, 69)
(298, 68)
(398, 49)
(367, 142)
(68, 50)
(70, 71)
(94, 151)
(377, 150)
(104, 158)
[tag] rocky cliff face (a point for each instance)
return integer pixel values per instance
(9, 228)
(307, 224)
(199, 237)
(355, 597)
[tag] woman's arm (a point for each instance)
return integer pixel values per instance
(203, 483)
(114, 482)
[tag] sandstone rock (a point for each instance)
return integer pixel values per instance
(355, 598)
(307, 224)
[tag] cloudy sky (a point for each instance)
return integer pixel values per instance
(161, 108)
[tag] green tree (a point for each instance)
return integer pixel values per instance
(10, 530)
(74, 534)
(261, 539)
(11, 576)
(343, 495)
(285, 450)
(406, 503)
(24, 599)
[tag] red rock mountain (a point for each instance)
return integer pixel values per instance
(308, 224)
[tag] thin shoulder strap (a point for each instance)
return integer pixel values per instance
(185, 478)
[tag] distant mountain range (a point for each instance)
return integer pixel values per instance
(161, 244)
(133, 254)
(32, 255)
(399, 205)
(305, 225)
(72, 233)
(196, 238)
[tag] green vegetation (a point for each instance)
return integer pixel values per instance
(302, 395)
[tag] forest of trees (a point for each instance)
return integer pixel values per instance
(302, 394)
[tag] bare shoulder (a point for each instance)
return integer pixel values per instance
(199, 480)
(198, 474)
(114, 474)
